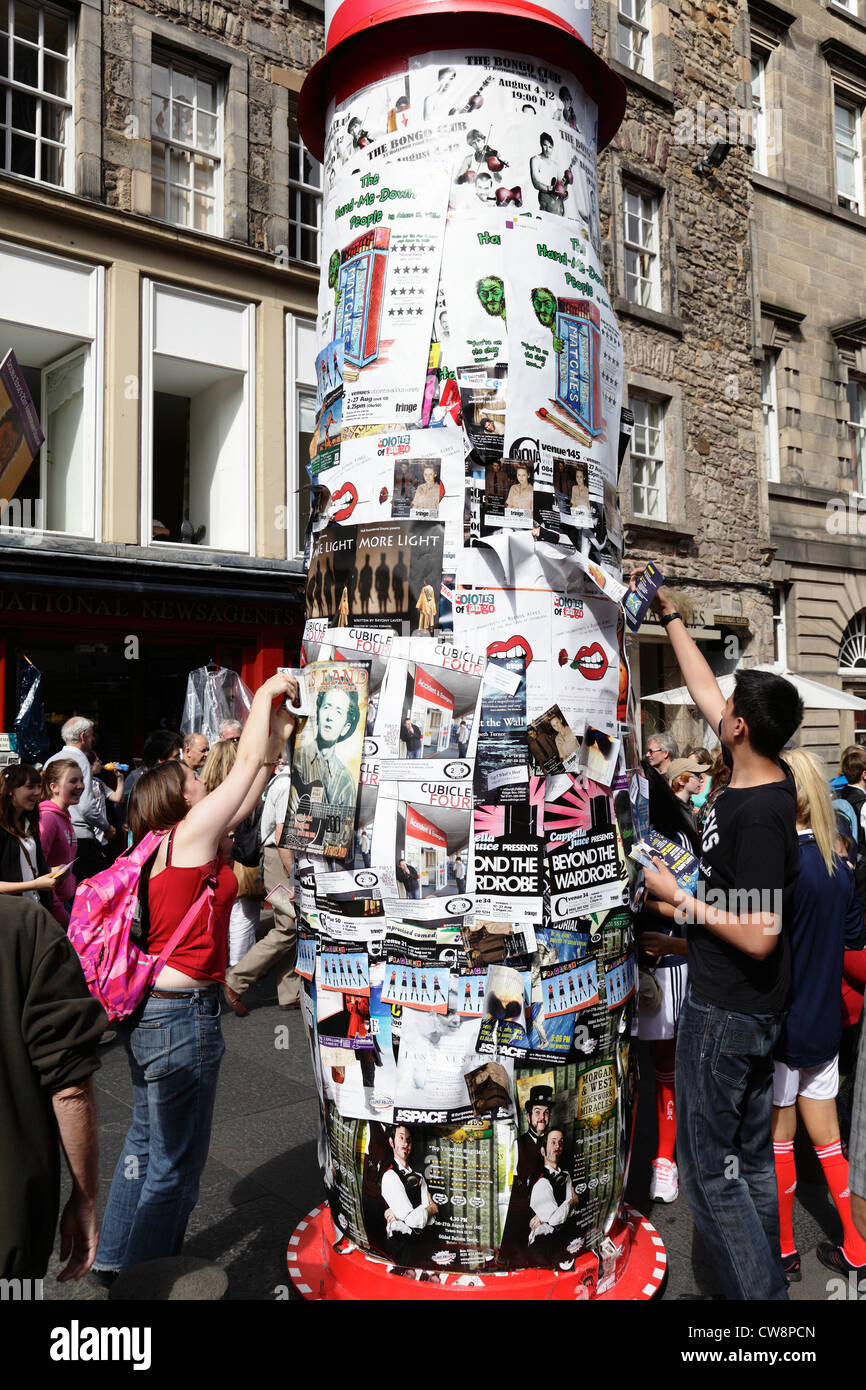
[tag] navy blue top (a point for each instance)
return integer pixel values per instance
(825, 921)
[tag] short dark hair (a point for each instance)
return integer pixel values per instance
(771, 707)
(159, 746)
(853, 763)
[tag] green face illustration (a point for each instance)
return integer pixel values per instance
(333, 269)
(491, 292)
(544, 304)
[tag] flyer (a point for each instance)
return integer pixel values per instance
(326, 761)
(435, 708)
(501, 774)
(414, 475)
(472, 277)
(406, 565)
(356, 1052)
(436, 1055)
(382, 245)
(564, 352)
(588, 872)
(681, 862)
(424, 829)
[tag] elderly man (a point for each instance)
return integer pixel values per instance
(90, 823)
(49, 1029)
(195, 750)
(661, 749)
(230, 730)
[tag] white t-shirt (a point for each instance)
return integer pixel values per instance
(275, 807)
(27, 845)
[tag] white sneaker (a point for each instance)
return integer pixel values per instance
(664, 1186)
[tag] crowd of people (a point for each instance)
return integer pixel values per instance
(751, 984)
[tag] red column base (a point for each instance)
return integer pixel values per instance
(319, 1271)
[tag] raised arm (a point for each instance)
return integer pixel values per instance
(260, 744)
(702, 684)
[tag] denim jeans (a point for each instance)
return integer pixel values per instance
(724, 1087)
(175, 1050)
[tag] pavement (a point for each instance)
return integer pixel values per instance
(262, 1176)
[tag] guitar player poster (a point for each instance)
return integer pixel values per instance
(326, 762)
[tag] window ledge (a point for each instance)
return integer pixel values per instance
(805, 199)
(643, 84)
(841, 13)
(672, 323)
(648, 526)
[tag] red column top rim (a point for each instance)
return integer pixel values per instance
(415, 27)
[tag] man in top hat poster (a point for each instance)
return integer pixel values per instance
(530, 1163)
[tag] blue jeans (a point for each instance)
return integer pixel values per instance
(724, 1086)
(175, 1051)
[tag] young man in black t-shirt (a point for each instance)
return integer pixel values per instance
(739, 971)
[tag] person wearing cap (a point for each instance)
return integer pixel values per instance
(515, 1236)
(685, 776)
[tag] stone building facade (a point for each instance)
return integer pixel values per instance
(809, 242)
(158, 261)
(679, 259)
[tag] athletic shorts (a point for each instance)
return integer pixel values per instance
(814, 1083)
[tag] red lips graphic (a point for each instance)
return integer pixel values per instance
(513, 646)
(348, 491)
(591, 662)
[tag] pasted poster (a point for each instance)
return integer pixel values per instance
(410, 475)
(564, 356)
(326, 760)
(382, 246)
(434, 703)
(401, 562)
(424, 829)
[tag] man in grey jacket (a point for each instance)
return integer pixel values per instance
(87, 818)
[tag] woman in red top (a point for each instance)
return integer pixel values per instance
(175, 1043)
(62, 787)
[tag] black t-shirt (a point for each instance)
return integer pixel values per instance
(749, 848)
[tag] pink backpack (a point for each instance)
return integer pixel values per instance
(117, 971)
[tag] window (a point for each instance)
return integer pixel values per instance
(852, 648)
(648, 459)
(300, 427)
(186, 143)
(759, 111)
(780, 626)
(641, 248)
(635, 38)
(849, 177)
(35, 86)
(51, 318)
(770, 410)
(305, 201)
(857, 432)
(198, 414)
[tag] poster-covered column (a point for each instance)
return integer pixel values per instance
(467, 784)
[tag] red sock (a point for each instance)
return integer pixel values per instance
(835, 1166)
(666, 1106)
(786, 1182)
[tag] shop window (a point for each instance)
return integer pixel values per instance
(35, 92)
(51, 318)
(186, 145)
(300, 428)
(198, 445)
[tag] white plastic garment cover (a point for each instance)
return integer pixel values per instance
(211, 697)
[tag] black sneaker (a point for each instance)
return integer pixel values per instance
(831, 1255)
(791, 1268)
